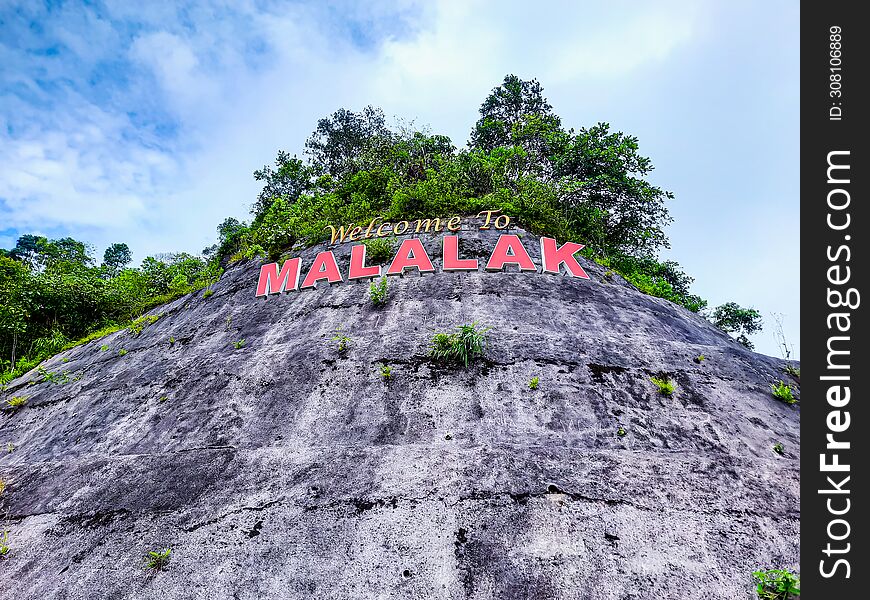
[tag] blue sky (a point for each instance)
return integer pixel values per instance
(143, 122)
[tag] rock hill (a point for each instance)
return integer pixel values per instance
(283, 469)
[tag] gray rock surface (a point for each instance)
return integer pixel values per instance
(285, 470)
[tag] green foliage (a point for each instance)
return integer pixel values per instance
(104, 347)
(10, 447)
(621, 431)
(141, 323)
(461, 347)
(50, 294)
(793, 371)
(588, 185)
(379, 250)
(163, 399)
(157, 560)
(386, 372)
(733, 318)
(665, 386)
(208, 293)
(116, 257)
(779, 448)
(122, 352)
(783, 392)
(239, 345)
(533, 383)
(4, 540)
(15, 402)
(378, 291)
(51, 377)
(700, 358)
(342, 340)
(777, 584)
(171, 340)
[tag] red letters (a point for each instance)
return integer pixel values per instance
(272, 282)
(552, 257)
(358, 270)
(517, 255)
(452, 262)
(324, 268)
(411, 255)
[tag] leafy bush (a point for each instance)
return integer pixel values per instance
(462, 347)
(208, 293)
(378, 292)
(239, 345)
(777, 584)
(733, 318)
(122, 352)
(665, 386)
(783, 392)
(379, 250)
(779, 448)
(386, 371)
(533, 383)
(157, 560)
(621, 431)
(104, 347)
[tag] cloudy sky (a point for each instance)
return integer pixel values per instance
(143, 122)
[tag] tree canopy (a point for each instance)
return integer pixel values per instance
(587, 185)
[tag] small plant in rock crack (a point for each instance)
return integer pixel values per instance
(104, 347)
(777, 584)
(122, 352)
(783, 392)
(534, 382)
(700, 358)
(2, 486)
(793, 371)
(162, 399)
(157, 561)
(15, 402)
(666, 386)
(239, 345)
(227, 324)
(51, 377)
(461, 347)
(621, 431)
(342, 339)
(386, 371)
(378, 291)
(10, 447)
(208, 294)
(137, 326)
(171, 340)
(607, 277)
(779, 448)
(4, 539)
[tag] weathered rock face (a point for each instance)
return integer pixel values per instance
(286, 470)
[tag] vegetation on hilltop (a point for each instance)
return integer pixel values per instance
(52, 293)
(587, 185)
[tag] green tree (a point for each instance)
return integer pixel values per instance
(341, 141)
(734, 319)
(116, 257)
(289, 179)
